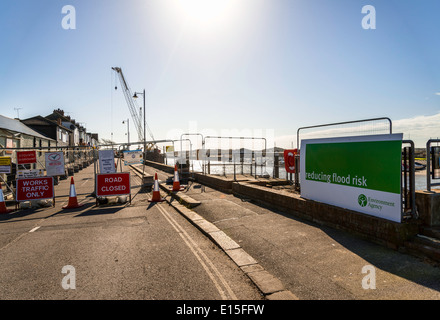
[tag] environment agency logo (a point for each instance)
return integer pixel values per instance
(362, 200)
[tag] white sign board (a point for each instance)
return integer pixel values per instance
(107, 161)
(5, 165)
(29, 174)
(55, 163)
(357, 173)
(132, 157)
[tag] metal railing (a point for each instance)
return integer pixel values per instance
(75, 159)
(343, 123)
(408, 181)
(223, 162)
(429, 165)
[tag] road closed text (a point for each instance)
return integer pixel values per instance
(112, 184)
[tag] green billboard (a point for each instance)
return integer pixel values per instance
(360, 173)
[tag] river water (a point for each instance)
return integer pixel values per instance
(421, 180)
(218, 167)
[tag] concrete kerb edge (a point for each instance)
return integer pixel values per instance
(270, 286)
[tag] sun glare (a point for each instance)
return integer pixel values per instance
(206, 13)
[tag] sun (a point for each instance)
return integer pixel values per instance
(205, 13)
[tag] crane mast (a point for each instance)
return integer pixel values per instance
(131, 104)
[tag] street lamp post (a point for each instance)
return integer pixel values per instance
(128, 133)
(145, 133)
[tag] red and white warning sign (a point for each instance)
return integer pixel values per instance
(35, 189)
(289, 160)
(112, 184)
(24, 157)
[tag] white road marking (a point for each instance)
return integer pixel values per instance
(34, 229)
(201, 257)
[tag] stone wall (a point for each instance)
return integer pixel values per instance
(428, 207)
(378, 230)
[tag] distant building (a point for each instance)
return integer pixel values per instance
(50, 128)
(95, 139)
(79, 135)
(65, 120)
(15, 134)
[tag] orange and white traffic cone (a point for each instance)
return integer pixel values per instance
(156, 193)
(176, 182)
(3, 208)
(73, 201)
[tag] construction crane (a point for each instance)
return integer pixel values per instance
(132, 106)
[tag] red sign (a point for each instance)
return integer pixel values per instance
(112, 184)
(35, 189)
(289, 160)
(24, 157)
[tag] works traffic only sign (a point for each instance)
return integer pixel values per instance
(25, 157)
(35, 189)
(112, 184)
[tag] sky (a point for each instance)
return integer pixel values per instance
(260, 68)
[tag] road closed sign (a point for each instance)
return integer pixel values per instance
(35, 189)
(112, 184)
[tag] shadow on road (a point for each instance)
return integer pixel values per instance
(101, 210)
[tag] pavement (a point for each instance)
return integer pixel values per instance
(307, 261)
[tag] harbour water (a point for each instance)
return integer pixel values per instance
(222, 168)
(421, 180)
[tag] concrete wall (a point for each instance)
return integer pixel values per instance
(384, 232)
(378, 230)
(160, 166)
(219, 183)
(428, 207)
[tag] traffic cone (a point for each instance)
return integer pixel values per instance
(73, 202)
(156, 193)
(176, 182)
(3, 209)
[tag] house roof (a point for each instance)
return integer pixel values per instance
(58, 114)
(42, 121)
(66, 121)
(17, 126)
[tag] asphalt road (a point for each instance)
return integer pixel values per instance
(114, 251)
(313, 261)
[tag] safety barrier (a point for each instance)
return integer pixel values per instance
(58, 163)
(432, 164)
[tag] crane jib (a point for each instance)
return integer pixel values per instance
(132, 106)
